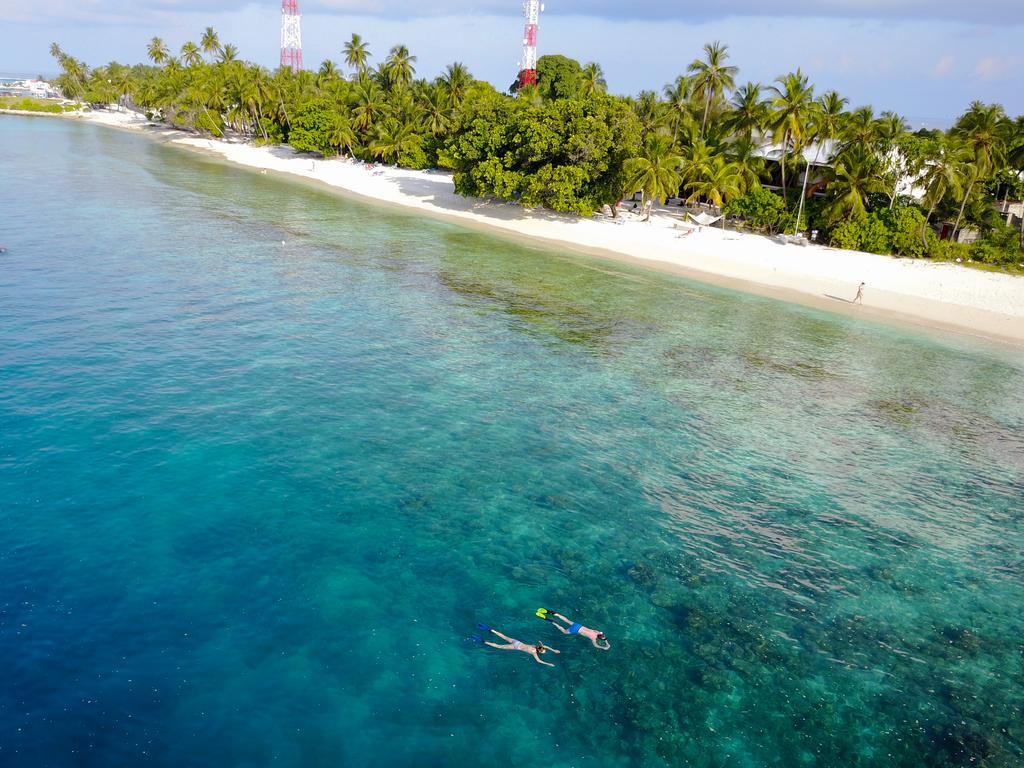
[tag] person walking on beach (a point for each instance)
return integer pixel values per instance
(514, 645)
(859, 298)
(597, 638)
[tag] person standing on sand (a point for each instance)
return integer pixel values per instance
(859, 298)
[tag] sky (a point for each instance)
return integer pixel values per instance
(926, 59)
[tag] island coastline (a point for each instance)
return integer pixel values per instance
(935, 296)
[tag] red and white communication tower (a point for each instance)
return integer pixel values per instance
(528, 70)
(291, 35)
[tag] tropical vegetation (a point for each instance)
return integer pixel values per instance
(774, 158)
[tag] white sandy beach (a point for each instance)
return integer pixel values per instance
(940, 296)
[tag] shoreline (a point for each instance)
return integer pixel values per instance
(931, 296)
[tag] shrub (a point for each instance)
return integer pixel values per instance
(209, 122)
(1001, 245)
(896, 231)
(847, 235)
(762, 209)
(415, 158)
(27, 104)
(273, 131)
(904, 225)
(314, 128)
(947, 250)
(875, 236)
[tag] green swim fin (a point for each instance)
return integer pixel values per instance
(542, 613)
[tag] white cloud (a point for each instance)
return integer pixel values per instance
(997, 67)
(944, 66)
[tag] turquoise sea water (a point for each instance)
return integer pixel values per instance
(267, 457)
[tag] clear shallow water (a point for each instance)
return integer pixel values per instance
(254, 495)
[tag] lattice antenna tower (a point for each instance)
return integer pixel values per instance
(291, 35)
(528, 69)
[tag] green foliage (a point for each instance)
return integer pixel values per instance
(848, 235)
(209, 122)
(27, 104)
(947, 250)
(896, 231)
(566, 145)
(904, 225)
(415, 158)
(270, 132)
(762, 210)
(1001, 245)
(568, 155)
(314, 128)
(559, 77)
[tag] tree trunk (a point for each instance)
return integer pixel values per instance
(963, 205)
(704, 122)
(803, 194)
(785, 146)
(924, 227)
(259, 106)
(1022, 227)
(210, 118)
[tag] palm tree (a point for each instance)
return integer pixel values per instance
(678, 107)
(369, 104)
(749, 162)
(210, 43)
(157, 51)
(856, 175)
(342, 136)
(826, 123)
(395, 139)
(530, 94)
(698, 159)
(984, 130)
(327, 73)
(712, 77)
(748, 110)
(861, 128)
(434, 103)
(944, 176)
(125, 86)
(1016, 160)
(228, 54)
(73, 73)
(456, 81)
(399, 66)
(190, 54)
(792, 105)
(592, 80)
(649, 113)
(656, 172)
(722, 181)
(890, 129)
(357, 53)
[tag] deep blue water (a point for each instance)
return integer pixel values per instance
(267, 457)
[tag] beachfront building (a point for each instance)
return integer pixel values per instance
(36, 89)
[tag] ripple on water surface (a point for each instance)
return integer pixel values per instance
(254, 494)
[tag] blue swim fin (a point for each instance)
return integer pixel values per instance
(483, 627)
(475, 639)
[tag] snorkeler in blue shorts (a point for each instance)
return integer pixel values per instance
(598, 639)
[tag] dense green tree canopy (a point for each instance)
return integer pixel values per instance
(565, 154)
(568, 145)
